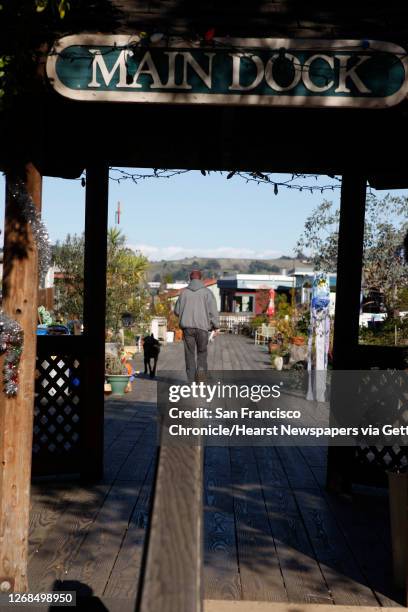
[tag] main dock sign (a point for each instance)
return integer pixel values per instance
(276, 72)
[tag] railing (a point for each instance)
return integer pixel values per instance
(171, 573)
(234, 321)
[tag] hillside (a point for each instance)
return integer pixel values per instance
(178, 270)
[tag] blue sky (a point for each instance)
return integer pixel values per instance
(190, 214)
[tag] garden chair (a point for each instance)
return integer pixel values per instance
(264, 333)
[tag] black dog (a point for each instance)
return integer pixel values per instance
(151, 350)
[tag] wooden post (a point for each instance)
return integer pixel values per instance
(346, 319)
(96, 227)
(20, 287)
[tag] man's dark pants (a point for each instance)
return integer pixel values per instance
(195, 339)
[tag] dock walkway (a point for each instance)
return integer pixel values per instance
(271, 531)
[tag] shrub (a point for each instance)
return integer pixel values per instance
(258, 321)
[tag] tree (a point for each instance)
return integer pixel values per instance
(168, 278)
(125, 287)
(384, 268)
(27, 30)
(126, 290)
(68, 259)
(262, 299)
(25, 26)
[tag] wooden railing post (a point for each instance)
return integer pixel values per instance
(20, 287)
(346, 320)
(96, 227)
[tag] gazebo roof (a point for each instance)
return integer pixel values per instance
(329, 140)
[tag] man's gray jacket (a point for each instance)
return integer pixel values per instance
(196, 307)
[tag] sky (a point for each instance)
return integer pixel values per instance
(190, 214)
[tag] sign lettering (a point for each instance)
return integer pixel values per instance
(242, 71)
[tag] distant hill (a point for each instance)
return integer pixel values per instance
(178, 270)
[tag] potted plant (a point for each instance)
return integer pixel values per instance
(116, 374)
(276, 359)
(173, 326)
(273, 346)
(298, 340)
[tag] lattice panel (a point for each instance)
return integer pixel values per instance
(57, 406)
(386, 458)
(383, 457)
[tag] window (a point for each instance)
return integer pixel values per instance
(244, 303)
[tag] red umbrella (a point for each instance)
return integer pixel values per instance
(271, 306)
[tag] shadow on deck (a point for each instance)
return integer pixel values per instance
(272, 532)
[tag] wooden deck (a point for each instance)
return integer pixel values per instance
(271, 531)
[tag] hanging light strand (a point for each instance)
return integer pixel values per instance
(298, 182)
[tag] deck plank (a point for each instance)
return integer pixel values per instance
(339, 567)
(303, 578)
(358, 520)
(297, 470)
(55, 556)
(221, 572)
(123, 580)
(259, 567)
(47, 507)
(93, 562)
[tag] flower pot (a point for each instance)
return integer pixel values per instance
(398, 497)
(278, 362)
(178, 335)
(273, 346)
(118, 383)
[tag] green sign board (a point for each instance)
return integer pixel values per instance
(267, 72)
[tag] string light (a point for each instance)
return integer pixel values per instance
(142, 38)
(297, 182)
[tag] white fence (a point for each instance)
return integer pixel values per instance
(234, 321)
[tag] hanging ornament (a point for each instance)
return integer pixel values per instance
(156, 37)
(319, 337)
(19, 193)
(11, 345)
(11, 333)
(209, 35)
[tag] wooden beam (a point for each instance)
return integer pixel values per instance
(349, 270)
(346, 319)
(96, 227)
(20, 287)
(271, 606)
(171, 576)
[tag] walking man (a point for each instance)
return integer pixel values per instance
(197, 312)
